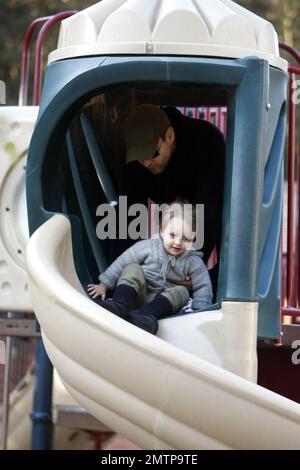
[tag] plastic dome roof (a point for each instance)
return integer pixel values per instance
(213, 28)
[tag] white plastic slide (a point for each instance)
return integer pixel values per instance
(158, 395)
(19, 433)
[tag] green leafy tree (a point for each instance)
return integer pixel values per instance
(15, 17)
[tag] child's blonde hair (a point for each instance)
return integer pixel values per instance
(179, 208)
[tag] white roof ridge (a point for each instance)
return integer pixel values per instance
(219, 28)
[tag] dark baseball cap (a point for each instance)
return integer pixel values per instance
(142, 129)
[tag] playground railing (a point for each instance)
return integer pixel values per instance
(290, 295)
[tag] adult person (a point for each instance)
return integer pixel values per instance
(171, 156)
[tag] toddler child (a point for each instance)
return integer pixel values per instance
(146, 278)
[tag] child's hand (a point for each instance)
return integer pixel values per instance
(96, 290)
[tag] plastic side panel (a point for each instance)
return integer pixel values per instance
(59, 74)
(243, 184)
(271, 209)
(16, 127)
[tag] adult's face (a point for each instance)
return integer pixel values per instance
(165, 147)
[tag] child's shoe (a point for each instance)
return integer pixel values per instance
(121, 302)
(147, 316)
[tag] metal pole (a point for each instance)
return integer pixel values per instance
(38, 60)
(5, 407)
(291, 196)
(41, 416)
(298, 230)
(23, 91)
(291, 50)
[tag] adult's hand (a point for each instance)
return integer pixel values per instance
(187, 282)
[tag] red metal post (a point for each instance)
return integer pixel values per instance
(283, 278)
(219, 117)
(224, 121)
(298, 229)
(293, 251)
(291, 50)
(291, 311)
(23, 91)
(291, 188)
(207, 114)
(294, 69)
(39, 52)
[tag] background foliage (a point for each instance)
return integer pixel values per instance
(16, 15)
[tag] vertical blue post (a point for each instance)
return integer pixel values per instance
(41, 415)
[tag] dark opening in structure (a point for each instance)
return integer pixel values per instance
(92, 165)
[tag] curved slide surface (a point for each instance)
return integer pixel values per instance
(157, 394)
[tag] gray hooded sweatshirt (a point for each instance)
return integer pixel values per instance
(158, 266)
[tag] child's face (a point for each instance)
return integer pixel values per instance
(177, 236)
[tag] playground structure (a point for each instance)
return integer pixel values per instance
(201, 355)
